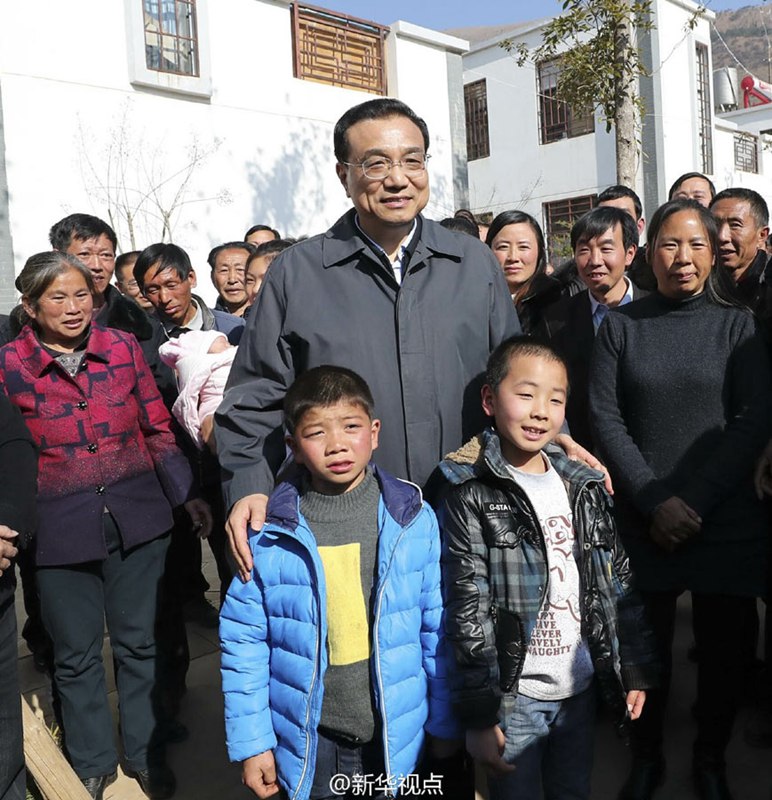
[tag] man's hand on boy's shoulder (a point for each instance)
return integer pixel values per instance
(250, 510)
(259, 774)
(577, 453)
(486, 746)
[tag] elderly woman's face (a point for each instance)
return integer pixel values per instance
(517, 250)
(682, 256)
(63, 312)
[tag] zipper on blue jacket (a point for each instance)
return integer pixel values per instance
(386, 760)
(317, 658)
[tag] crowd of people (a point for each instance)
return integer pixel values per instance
(400, 439)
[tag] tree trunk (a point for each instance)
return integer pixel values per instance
(625, 91)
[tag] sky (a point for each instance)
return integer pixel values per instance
(442, 14)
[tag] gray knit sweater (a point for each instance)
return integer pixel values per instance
(679, 402)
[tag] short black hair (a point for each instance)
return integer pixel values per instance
(380, 108)
(256, 228)
(162, 255)
(82, 227)
(268, 248)
(687, 176)
(617, 192)
(461, 225)
(325, 386)
(500, 359)
(211, 259)
(125, 258)
(598, 220)
(758, 204)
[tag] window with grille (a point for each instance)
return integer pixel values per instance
(337, 49)
(746, 152)
(476, 108)
(171, 39)
(557, 120)
(705, 133)
(559, 218)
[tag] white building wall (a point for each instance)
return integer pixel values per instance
(415, 52)
(521, 172)
(676, 113)
(265, 138)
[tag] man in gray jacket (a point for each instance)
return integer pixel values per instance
(413, 308)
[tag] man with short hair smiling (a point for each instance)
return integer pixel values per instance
(93, 242)
(743, 226)
(619, 196)
(742, 216)
(604, 241)
(228, 264)
(413, 308)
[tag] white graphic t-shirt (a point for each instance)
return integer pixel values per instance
(557, 663)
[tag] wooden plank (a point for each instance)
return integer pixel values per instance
(45, 762)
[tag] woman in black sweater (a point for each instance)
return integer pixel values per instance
(679, 399)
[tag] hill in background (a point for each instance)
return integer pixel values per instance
(748, 33)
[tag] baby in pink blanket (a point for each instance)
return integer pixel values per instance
(202, 361)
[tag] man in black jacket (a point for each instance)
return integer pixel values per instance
(604, 241)
(93, 242)
(743, 226)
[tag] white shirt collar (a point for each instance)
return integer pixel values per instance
(396, 265)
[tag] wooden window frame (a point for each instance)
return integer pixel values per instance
(557, 120)
(559, 218)
(476, 111)
(321, 39)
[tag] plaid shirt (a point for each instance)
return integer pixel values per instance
(496, 577)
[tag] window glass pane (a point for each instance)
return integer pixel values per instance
(170, 36)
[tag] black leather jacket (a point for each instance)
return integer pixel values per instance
(495, 574)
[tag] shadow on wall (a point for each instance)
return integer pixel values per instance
(293, 187)
(298, 191)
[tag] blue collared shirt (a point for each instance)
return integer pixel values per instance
(599, 310)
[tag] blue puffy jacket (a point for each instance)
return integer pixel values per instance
(273, 634)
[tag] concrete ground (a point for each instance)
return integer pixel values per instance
(204, 773)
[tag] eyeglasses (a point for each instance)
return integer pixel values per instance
(377, 168)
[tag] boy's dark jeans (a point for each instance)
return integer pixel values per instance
(550, 742)
(345, 769)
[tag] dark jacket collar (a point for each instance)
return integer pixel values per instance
(343, 242)
(482, 456)
(402, 500)
(755, 274)
(124, 314)
(37, 359)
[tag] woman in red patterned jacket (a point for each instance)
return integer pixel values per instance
(109, 475)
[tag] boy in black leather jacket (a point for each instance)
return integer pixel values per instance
(540, 607)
